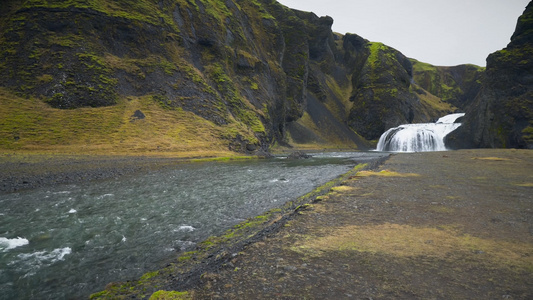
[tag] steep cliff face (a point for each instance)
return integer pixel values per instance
(381, 97)
(502, 113)
(257, 72)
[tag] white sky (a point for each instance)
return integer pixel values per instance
(439, 32)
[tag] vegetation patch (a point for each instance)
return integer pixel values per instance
(491, 158)
(32, 125)
(141, 10)
(385, 173)
(408, 241)
(528, 184)
(343, 189)
(172, 295)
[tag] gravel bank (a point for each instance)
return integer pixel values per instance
(22, 172)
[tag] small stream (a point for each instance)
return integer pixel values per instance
(68, 241)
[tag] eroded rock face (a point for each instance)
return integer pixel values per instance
(501, 115)
(381, 97)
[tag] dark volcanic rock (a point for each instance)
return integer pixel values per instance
(298, 155)
(137, 115)
(502, 112)
(381, 97)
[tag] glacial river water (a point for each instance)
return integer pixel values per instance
(68, 241)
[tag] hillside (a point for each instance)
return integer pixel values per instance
(457, 85)
(186, 76)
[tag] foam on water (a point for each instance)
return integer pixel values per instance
(36, 260)
(186, 228)
(7, 244)
(41, 257)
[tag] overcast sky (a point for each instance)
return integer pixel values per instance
(440, 32)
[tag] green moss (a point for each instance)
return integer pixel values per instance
(262, 11)
(149, 275)
(242, 111)
(419, 66)
(184, 258)
(99, 295)
(45, 78)
(172, 295)
(141, 10)
(519, 55)
(163, 100)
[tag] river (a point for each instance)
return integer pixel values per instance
(68, 241)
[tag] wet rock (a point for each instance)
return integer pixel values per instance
(298, 155)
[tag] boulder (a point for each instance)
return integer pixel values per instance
(298, 155)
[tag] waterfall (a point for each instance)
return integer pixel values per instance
(419, 137)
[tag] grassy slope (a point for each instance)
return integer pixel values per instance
(32, 125)
(439, 80)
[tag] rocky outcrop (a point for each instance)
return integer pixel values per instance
(381, 94)
(501, 115)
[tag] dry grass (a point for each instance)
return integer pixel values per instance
(409, 241)
(344, 189)
(491, 158)
(385, 173)
(527, 184)
(31, 126)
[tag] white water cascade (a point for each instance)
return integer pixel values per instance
(419, 137)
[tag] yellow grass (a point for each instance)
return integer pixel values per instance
(528, 184)
(409, 241)
(31, 126)
(385, 173)
(343, 189)
(491, 158)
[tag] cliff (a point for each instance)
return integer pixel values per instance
(187, 75)
(501, 115)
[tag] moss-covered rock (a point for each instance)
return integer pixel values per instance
(502, 112)
(457, 85)
(383, 94)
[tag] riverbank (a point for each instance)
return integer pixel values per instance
(440, 225)
(28, 170)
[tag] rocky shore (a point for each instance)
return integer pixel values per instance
(20, 172)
